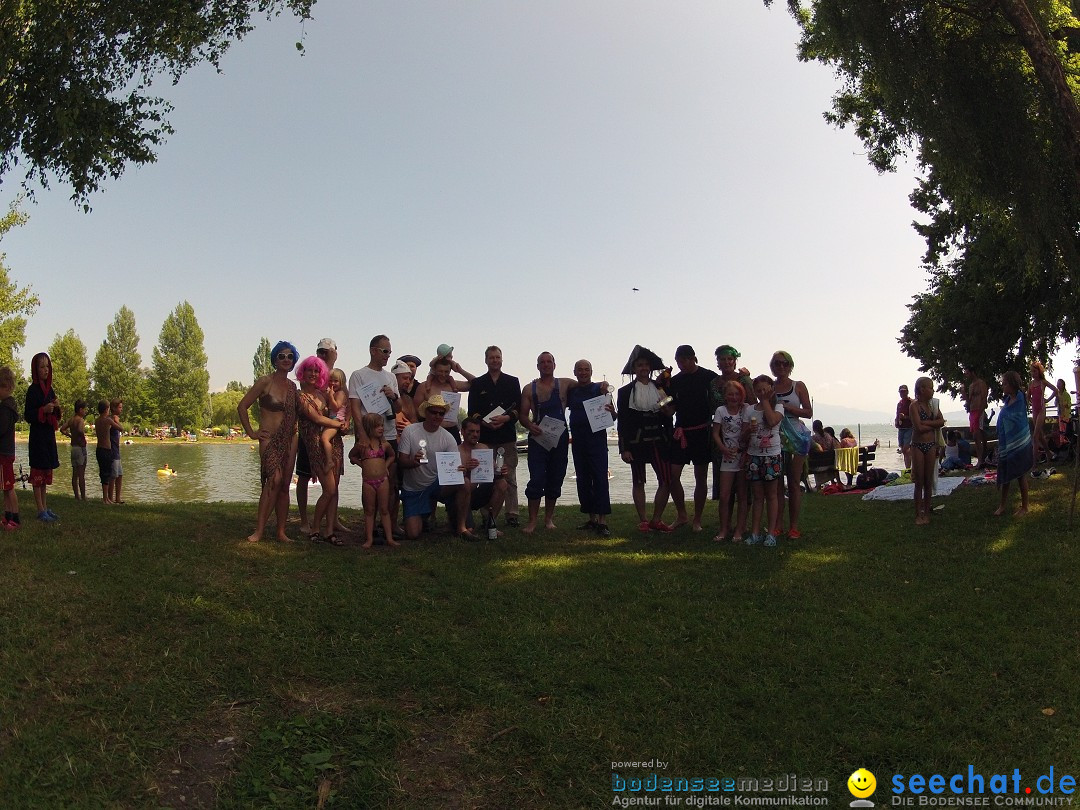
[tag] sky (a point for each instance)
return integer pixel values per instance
(573, 176)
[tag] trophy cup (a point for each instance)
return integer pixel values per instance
(423, 451)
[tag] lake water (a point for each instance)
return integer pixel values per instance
(230, 472)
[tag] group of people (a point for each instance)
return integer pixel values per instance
(42, 413)
(402, 418)
(1019, 444)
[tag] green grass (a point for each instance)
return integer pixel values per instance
(150, 655)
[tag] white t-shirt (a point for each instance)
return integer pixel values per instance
(365, 375)
(764, 440)
(731, 426)
(420, 478)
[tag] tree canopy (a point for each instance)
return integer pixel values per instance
(179, 377)
(16, 303)
(71, 380)
(77, 78)
(117, 369)
(983, 94)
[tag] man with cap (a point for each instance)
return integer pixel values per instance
(412, 361)
(406, 383)
(691, 441)
(420, 481)
(375, 373)
(328, 353)
(497, 391)
(903, 426)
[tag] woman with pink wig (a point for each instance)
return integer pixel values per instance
(314, 419)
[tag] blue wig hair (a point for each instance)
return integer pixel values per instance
(283, 344)
(317, 362)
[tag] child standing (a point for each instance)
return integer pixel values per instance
(103, 453)
(764, 468)
(727, 434)
(1015, 446)
(75, 429)
(9, 415)
(42, 412)
(376, 456)
(116, 407)
(925, 420)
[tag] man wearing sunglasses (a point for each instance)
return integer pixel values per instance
(375, 372)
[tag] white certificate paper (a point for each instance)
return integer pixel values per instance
(373, 399)
(485, 473)
(447, 465)
(551, 430)
(453, 402)
(496, 411)
(599, 416)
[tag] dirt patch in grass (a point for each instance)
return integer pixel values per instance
(191, 775)
(434, 763)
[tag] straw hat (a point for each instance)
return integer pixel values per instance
(434, 401)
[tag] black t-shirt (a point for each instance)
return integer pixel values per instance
(693, 405)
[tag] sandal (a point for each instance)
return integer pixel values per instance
(643, 526)
(333, 540)
(315, 537)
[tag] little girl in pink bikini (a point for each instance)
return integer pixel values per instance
(376, 456)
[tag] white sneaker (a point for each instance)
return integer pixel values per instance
(770, 541)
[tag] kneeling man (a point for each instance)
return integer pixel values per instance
(472, 496)
(420, 481)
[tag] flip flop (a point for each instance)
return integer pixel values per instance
(333, 540)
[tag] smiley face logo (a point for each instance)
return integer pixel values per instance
(861, 783)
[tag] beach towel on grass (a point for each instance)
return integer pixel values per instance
(906, 492)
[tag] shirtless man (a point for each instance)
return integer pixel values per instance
(440, 382)
(75, 429)
(975, 403)
(471, 496)
(545, 396)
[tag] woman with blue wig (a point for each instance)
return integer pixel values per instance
(276, 395)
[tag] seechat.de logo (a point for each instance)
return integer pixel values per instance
(861, 784)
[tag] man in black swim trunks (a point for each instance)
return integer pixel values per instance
(692, 437)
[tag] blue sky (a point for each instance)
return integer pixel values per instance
(492, 172)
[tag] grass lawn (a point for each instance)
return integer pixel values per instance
(153, 659)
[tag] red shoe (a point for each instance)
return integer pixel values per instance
(643, 526)
(8, 525)
(660, 526)
(794, 534)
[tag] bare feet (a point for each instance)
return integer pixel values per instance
(680, 521)
(284, 538)
(370, 543)
(696, 527)
(254, 538)
(999, 511)
(529, 527)
(305, 530)
(550, 525)
(390, 541)
(1020, 511)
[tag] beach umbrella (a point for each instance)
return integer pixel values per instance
(655, 363)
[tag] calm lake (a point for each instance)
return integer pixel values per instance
(230, 472)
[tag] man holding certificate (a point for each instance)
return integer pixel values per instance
(484, 486)
(495, 398)
(591, 414)
(417, 454)
(543, 413)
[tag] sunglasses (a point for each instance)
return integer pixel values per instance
(383, 351)
(286, 356)
(435, 412)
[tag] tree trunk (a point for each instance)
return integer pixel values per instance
(1050, 72)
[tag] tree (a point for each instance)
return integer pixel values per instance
(262, 363)
(223, 407)
(979, 92)
(71, 380)
(16, 303)
(77, 78)
(179, 380)
(117, 369)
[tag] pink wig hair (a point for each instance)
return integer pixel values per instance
(308, 362)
